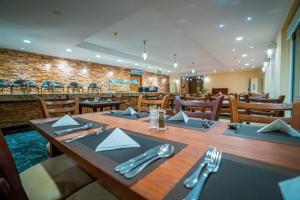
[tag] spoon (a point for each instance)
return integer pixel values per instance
(87, 126)
(165, 151)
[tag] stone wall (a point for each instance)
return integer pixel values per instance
(17, 64)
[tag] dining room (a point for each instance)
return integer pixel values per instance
(156, 100)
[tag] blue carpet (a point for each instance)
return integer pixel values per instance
(28, 148)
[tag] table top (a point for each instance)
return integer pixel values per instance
(98, 103)
(161, 180)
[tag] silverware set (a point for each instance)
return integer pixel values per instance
(69, 130)
(134, 166)
(99, 131)
(210, 164)
(206, 123)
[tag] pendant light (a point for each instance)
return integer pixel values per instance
(175, 61)
(145, 54)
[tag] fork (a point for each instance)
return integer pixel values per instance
(212, 167)
(192, 180)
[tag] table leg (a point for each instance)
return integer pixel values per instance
(80, 109)
(94, 109)
(118, 107)
(101, 109)
(54, 151)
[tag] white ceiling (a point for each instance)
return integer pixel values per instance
(188, 28)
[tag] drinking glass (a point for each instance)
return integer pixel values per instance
(153, 118)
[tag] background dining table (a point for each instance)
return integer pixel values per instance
(99, 104)
(159, 183)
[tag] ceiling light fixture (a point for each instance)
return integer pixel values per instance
(136, 64)
(175, 61)
(249, 18)
(251, 47)
(145, 55)
(244, 55)
(239, 38)
(69, 50)
(221, 26)
(119, 60)
(98, 56)
(233, 50)
(193, 71)
(23, 48)
(27, 41)
(247, 64)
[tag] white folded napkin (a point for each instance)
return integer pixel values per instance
(181, 116)
(279, 125)
(117, 140)
(66, 120)
(129, 111)
(290, 188)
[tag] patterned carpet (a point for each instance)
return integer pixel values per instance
(27, 146)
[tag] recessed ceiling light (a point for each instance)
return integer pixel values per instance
(98, 56)
(239, 61)
(244, 55)
(136, 64)
(221, 26)
(22, 48)
(120, 60)
(169, 71)
(239, 38)
(234, 50)
(249, 18)
(69, 50)
(27, 41)
(247, 64)
(251, 47)
(149, 67)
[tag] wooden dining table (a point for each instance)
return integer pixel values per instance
(160, 181)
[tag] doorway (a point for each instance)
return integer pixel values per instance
(135, 87)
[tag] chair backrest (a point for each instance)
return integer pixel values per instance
(58, 107)
(214, 106)
(237, 114)
(10, 183)
(196, 98)
(162, 103)
(280, 99)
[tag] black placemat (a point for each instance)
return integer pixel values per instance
(238, 178)
(48, 129)
(250, 132)
(193, 124)
(133, 117)
(122, 155)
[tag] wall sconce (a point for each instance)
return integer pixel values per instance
(206, 79)
(110, 74)
(47, 66)
(84, 70)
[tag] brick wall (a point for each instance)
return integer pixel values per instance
(17, 64)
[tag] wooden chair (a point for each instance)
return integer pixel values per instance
(237, 116)
(53, 179)
(214, 106)
(162, 103)
(58, 107)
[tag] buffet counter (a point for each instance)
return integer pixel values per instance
(18, 109)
